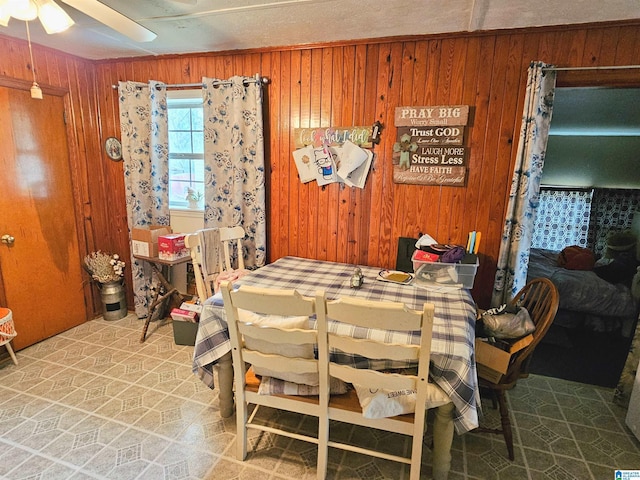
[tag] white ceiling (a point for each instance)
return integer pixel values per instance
(218, 25)
(594, 138)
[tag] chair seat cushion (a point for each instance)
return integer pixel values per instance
(285, 349)
(276, 386)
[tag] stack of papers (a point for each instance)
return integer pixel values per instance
(348, 164)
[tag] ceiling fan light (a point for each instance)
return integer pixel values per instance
(4, 16)
(22, 9)
(54, 19)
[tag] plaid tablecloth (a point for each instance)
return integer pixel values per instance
(452, 357)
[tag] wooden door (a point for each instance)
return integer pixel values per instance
(41, 270)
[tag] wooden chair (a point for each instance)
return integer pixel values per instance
(287, 304)
(225, 238)
(540, 298)
(355, 313)
(7, 331)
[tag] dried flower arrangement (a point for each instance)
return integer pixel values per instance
(104, 267)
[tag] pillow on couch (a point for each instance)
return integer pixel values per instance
(576, 258)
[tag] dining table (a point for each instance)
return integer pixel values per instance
(452, 365)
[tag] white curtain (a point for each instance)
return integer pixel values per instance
(145, 152)
(234, 161)
(513, 259)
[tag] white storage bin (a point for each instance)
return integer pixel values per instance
(459, 275)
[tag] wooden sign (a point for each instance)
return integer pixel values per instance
(429, 148)
(431, 116)
(431, 175)
(434, 135)
(431, 165)
(335, 136)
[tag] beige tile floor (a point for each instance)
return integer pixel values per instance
(94, 403)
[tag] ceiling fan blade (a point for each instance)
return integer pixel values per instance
(113, 19)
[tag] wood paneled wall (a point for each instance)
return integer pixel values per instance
(73, 79)
(357, 84)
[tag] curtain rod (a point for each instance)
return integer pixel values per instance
(567, 69)
(260, 80)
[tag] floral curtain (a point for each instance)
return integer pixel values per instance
(513, 259)
(234, 161)
(145, 152)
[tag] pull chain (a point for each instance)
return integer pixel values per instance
(36, 91)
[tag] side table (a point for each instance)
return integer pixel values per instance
(161, 268)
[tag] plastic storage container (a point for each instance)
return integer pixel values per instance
(459, 275)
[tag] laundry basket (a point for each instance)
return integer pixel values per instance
(7, 331)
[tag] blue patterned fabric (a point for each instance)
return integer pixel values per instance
(562, 219)
(145, 152)
(511, 273)
(234, 161)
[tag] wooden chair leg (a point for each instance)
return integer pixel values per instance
(506, 423)
(494, 399)
(11, 352)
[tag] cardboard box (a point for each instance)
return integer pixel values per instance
(172, 247)
(192, 307)
(493, 362)
(144, 241)
(181, 314)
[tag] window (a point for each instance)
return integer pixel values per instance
(186, 145)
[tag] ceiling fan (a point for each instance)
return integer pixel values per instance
(49, 12)
(113, 19)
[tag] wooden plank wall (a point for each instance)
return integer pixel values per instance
(357, 84)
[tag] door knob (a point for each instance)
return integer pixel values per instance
(8, 239)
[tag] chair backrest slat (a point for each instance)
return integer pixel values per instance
(273, 301)
(275, 335)
(375, 349)
(279, 364)
(228, 236)
(369, 314)
(379, 380)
